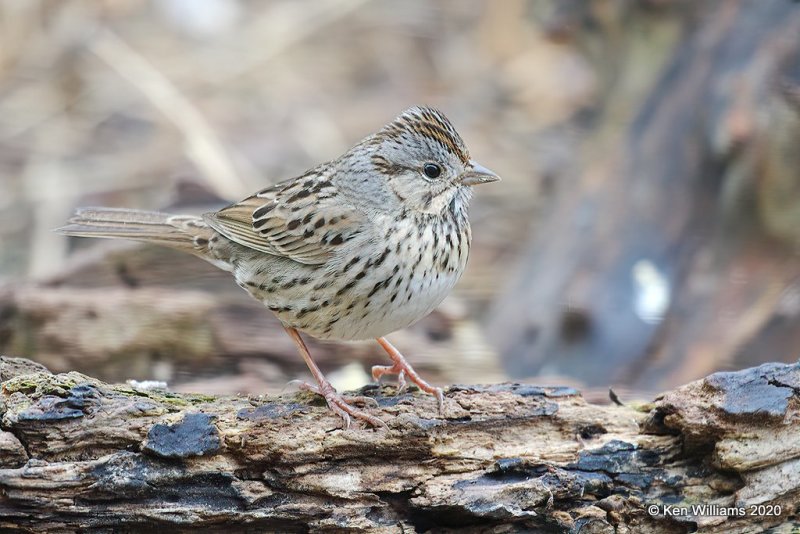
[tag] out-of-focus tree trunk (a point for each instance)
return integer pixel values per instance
(674, 250)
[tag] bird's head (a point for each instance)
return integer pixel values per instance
(423, 161)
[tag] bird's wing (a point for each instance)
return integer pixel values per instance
(302, 219)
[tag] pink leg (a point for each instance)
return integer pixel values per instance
(403, 369)
(336, 402)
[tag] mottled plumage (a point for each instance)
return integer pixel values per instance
(355, 248)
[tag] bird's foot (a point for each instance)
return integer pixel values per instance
(403, 369)
(341, 406)
(380, 370)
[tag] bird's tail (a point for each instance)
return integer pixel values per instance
(184, 232)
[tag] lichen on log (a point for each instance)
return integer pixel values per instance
(80, 454)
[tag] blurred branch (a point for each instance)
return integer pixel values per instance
(47, 180)
(790, 90)
(203, 146)
(282, 27)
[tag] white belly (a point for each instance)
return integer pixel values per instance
(368, 291)
(385, 316)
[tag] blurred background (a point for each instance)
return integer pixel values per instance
(646, 231)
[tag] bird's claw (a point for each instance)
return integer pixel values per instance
(341, 406)
(402, 371)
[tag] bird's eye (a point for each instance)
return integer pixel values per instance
(432, 170)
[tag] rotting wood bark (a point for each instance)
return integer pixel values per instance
(81, 454)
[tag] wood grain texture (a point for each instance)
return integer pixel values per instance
(82, 454)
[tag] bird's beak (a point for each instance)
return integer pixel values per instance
(477, 174)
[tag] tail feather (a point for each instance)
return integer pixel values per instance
(183, 232)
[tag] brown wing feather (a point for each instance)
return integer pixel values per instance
(302, 220)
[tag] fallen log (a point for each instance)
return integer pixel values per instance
(80, 454)
(121, 310)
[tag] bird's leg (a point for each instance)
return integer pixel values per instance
(336, 402)
(403, 370)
